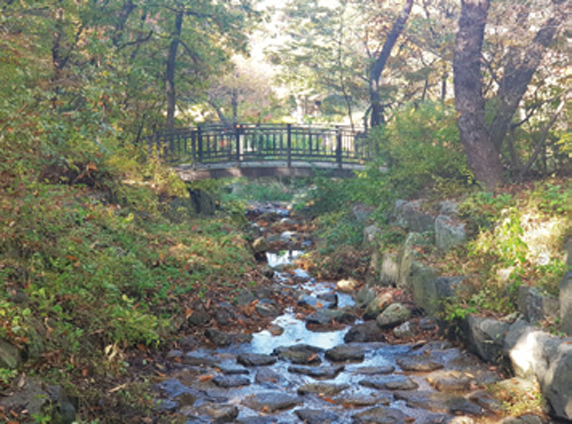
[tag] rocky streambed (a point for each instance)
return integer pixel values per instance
(321, 361)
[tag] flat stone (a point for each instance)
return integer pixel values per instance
(228, 381)
(317, 416)
(175, 353)
(329, 316)
(440, 402)
(390, 382)
(271, 401)
(383, 369)
(359, 400)
(325, 389)
(299, 354)
(367, 332)
(486, 400)
(345, 353)
(231, 369)
(267, 308)
(381, 416)
(319, 373)
(266, 376)
(219, 413)
(199, 360)
(449, 381)
(255, 359)
(173, 387)
(418, 363)
(219, 338)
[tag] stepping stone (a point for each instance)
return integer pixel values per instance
(324, 389)
(319, 373)
(440, 402)
(390, 382)
(486, 400)
(449, 381)
(299, 354)
(367, 332)
(317, 416)
(328, 316)
(418, 363)
(255, 360)
(346, 353)
(358, 400)
(271, 401)
(380, 415)
(219, 413)
(383, 369)
(231, 369)
(199, 360)
(267, 376)
(228, 381)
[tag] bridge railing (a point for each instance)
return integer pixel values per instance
(215, 143)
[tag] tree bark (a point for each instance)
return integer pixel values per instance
(170, 74)
(381, 61)
(482, 156)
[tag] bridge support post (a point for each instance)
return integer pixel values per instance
(237, 131)
(339, 146)
(200, 144)
(289, 144)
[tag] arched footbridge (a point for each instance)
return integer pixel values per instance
(250, 150)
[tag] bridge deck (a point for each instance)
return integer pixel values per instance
(195, 172)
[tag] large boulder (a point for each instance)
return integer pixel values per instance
(449, 232)
(408, 255)
(485, 337)
(536, 306)
(566, 304)
(9, 355)
(410, 216)
(430, 292)
(203, 203)
(389, 270)
(393, 315)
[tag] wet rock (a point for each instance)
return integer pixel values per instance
(360, 400)
(275, 330)
(323, 389)
(347, 286)
(486, 400)
(345, 353)
(173, 388)
(440, 402)
(260, 245)
(377, 305)
(393, 315)
(199, 360)
(299, 354)
(266, 376)
(232, 369)
(317, 416)
(449, 381)
(428, 324)
(485, 337)
(328, 300)
(228, 381)
(225, 313)
(267, 308)
(565, 299)
(255, 359)
(403, 331)
(219, 413)
(380, 415)
(219, 338)
(418, 363)
(449, 233)
(383, 369)
(390, 382)
(244, 298)
(366, 332)
(536, 306)
(329, 316)
(9, 355)
(175, 353)
(271, 401)
(319, 373)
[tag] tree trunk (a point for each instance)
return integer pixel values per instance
(482, 156)
(170, 75)
(381, 61)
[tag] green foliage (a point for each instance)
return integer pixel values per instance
(261, 190)
(338, 229)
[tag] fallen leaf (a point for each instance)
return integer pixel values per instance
(207, 377)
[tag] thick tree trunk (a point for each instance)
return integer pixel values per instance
(517, 74)
(379, 64)
(482, 156)
(170, 75)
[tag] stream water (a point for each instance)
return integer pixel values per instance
(290, 374)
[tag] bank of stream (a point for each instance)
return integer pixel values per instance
(320, 362)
